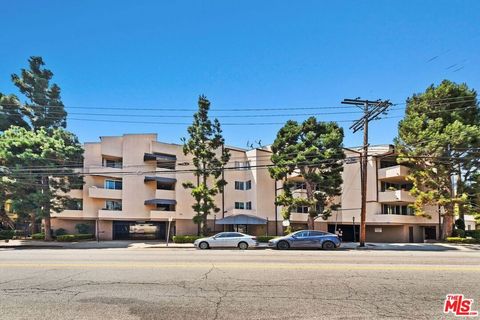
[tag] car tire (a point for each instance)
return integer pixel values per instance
(283, 245)
(243, 246)
(328, 245)
(203, 245)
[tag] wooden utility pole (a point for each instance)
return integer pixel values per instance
(371, 111)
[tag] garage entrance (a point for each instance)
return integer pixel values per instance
(132, 230)
(347, 231)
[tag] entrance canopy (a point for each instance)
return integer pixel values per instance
(242, 219)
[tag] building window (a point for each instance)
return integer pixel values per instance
(165, 207)
(113, 184)
(113, 163)
(301, 209)
(243, 185)
(114, 205)
(75, 204)
(239, 185)
(387, 186)
(404, 210)
(242, 165)
(165, 186)
(239, 205)
(248, 205)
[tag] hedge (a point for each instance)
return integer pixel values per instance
(185, 239)
(462, 240)
(473, 233)
(265, 238)
(6, 234)
(38, 236)
(74, 237)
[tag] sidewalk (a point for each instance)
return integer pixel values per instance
(117, 244)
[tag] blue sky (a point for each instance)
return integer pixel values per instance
(241, 54)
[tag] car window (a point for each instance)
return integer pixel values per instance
(316, 233)
(235, 234)
(301, 234)
(221, 235)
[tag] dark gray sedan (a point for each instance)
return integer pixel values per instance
(306, 239)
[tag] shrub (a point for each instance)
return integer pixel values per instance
(459, 233)
(60, 232)
(7, 234)
(74, 237)
(462, 240)
(82, 228)
(38, 236)
(265, 238)
(185, 239)
(473, 233)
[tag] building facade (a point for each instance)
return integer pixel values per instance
(134, 190)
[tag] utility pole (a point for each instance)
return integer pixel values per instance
(371, 111)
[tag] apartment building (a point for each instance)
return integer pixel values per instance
(133, 190)
(133, 187)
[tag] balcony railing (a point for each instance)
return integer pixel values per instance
(68, 214)
(104, 171)
(395, 173)
(395, 196)
(102, 193)
(162, 215)
(109, 214)
(165, 194)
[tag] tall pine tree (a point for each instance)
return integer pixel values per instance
(206, 145)
(44, 107)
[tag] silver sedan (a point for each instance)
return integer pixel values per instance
(227, 240)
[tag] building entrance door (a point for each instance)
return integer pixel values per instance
(410, 234)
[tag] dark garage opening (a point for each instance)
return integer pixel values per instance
(132, 230)
(347, 231)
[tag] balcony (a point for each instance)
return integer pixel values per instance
(102, 193)
(68, 214)
(74, 214)
(397, 173)
(162, 215)
(104, 171)
(298, 217)
(109, 214)
(164, 194)
(397, 196)
(400, 219)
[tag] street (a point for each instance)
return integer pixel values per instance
(232, 284)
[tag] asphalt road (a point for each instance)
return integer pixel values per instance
(232, 284)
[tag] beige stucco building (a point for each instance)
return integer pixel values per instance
(133, 187)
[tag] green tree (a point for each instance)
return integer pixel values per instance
(11, 112)
(206, 145)
(45, 107)
(440, 138)
(315, 150)
(37, 162)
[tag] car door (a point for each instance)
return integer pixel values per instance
(301, 240)
(232, 239)
(217, 240)
(316, 238)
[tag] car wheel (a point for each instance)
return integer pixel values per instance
(283, 245)
(203, 245)
(328, 245)
(243, 246)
